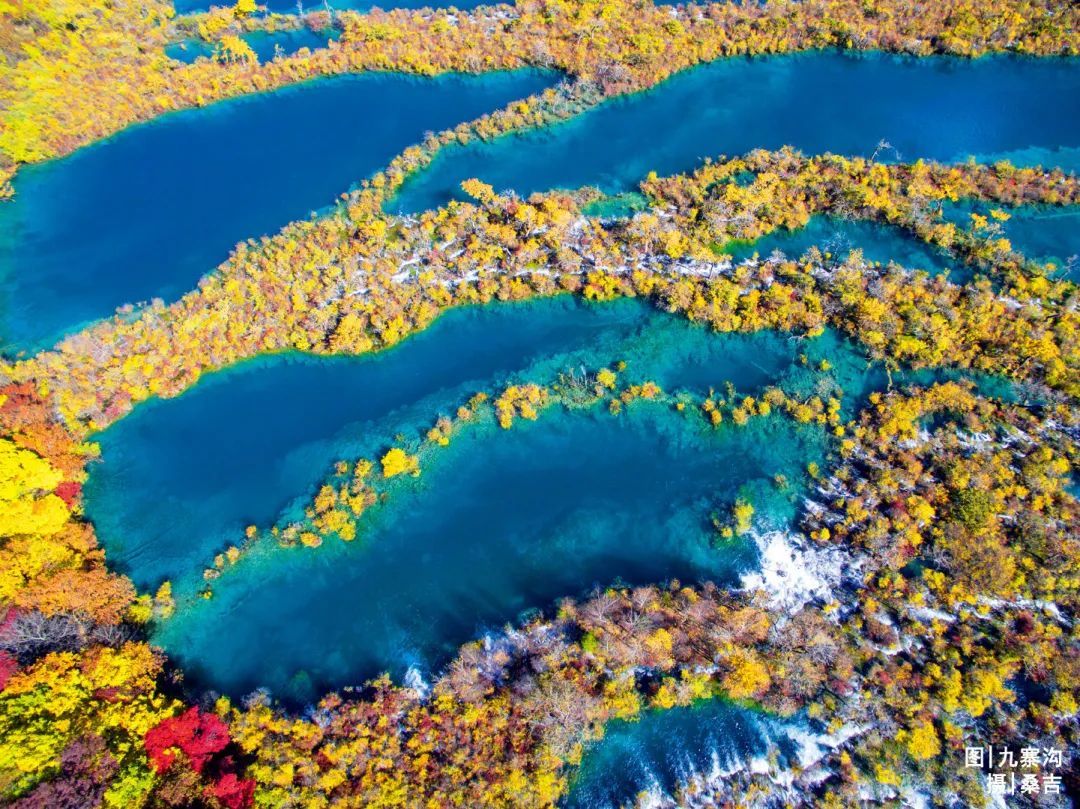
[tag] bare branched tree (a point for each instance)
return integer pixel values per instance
(30, 635)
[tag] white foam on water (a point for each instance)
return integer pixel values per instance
(415, 680)
(792, 572)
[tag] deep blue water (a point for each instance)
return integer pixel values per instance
(145, 214)
(661, 750)
(941, 108)
(264, 44)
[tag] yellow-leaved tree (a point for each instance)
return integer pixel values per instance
(398, 462)
(747, 678)
(27, 502)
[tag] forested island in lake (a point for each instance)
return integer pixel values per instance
(570, 403)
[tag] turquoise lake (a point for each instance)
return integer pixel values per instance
(148, 212)
(181, 478)
(941, 108)
(662, 750)
(507, 521)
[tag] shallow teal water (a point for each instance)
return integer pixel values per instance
(266, 45)
(617, 206)
(148, 212)
(878, 243)
(500, 523)
(663, 749)
(1044, 233)
(938, 108)
(181, 478)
